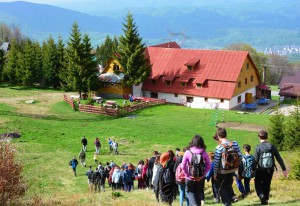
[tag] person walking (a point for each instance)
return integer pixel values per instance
(84, 143)
(73, 163)
(90, 175)
(97, 145)
(245, 171)
(127, 179)
(195, 165)
(150, 168)
(227, 160)
(81, 158)
(264, 165)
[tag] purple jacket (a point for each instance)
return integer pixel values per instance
(187, 158)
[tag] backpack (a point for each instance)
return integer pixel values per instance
(127, 176)
(166, 176)
(90, 174)
(247, 166)
(197, 165)
(230, 158)
(179, 175)
(266, 160)
(97, 177)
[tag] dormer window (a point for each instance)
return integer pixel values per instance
(189, 68)
(183, 84)
(168, 82)
(198, 85)
(153, 81)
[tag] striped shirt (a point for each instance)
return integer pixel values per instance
(218, 155)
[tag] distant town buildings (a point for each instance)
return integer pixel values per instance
(282, 50)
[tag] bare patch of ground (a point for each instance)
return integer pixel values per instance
(40, 108)
(242, 126)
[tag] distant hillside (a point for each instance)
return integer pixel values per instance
(208, 25)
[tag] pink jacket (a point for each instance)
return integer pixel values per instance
(187, 158)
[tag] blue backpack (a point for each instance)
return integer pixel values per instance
(247, 165)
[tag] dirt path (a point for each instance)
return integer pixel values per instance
(241, 126)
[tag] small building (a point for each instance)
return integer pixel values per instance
(201, 78)
(289, 87)
(111, 81)
(5, 46)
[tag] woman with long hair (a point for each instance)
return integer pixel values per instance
(195, 173)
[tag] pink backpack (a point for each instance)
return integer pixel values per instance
(180, 177)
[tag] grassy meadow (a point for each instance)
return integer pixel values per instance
(51, 135)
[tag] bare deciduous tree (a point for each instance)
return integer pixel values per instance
(12, 185)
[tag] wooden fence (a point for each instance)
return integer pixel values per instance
(118, 111)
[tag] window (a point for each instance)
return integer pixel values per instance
(246, 81)
(116, 67)
(153, 81)
(183, 84)
(251, 78)
(189, 99)
(247, 66)
(199, 85)
(190, 68)
(168, 82)
(239, 99)
(221, 100)
(239, 84)
(206, 99)
(175, 95)
(153, 95)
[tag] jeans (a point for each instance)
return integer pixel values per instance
(195, 192)
(183, 194)
(244, 189)
(97, 149)
(127, 186)
(215, 189)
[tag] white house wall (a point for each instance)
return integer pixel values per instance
(137, 90)
(199, 102)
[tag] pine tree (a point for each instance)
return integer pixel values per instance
(79, 66)
(51, 63)
(131, 54)
(106, 50)
(2, 62)
(11, 66)
(26, 74)
(292, 128)
(60, 63)
(38, 63)
(276, 129)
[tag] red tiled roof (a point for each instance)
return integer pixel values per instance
(172, 44)
(217, 69)
(262, 86)
(292, 90)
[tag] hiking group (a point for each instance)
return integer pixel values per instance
(184, 173)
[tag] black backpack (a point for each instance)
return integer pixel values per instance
(90, 174)
(197, 166)
(266, 160)
(97, 177)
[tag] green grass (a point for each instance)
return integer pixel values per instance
(49, 142)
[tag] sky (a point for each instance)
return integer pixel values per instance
(90, 5)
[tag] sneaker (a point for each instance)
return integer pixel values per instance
(216, 200)
(263, 199)
(202, 203)
(234, 199)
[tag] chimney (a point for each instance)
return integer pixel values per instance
(264, 74)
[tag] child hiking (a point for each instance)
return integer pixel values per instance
(264, 165)
(73, 163)
(245, 171)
